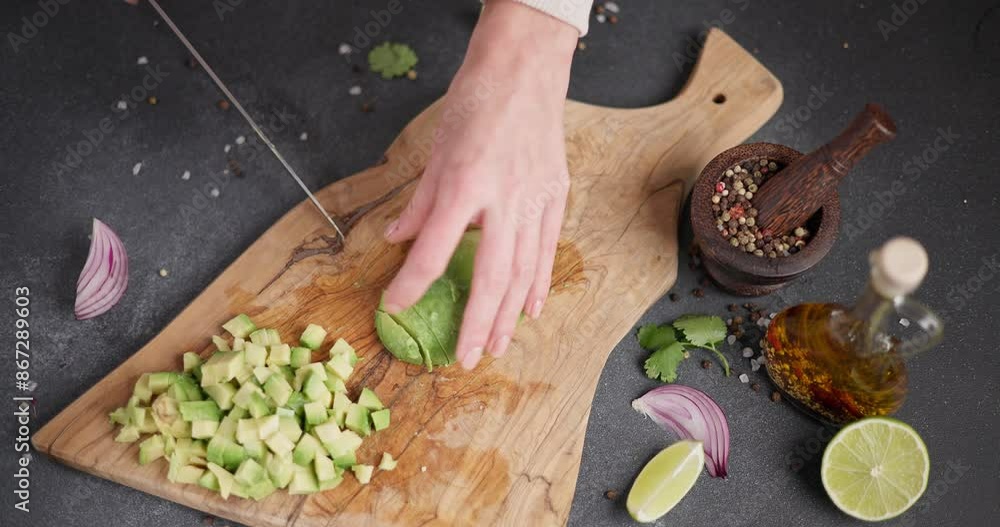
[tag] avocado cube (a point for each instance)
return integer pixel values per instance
(222, 367)
(326, 432)
(191, 361)
(280, 469)
(280, 355)
(325, 469)
(246, 430)
(201, 429)
(347, 460)
(225, 480)
(340, 365)
(260, 490)
(335, 384)
(151, 449)
(239, 344)
(261, 374)
(259, 337)
(200, 411)
(341, 347)
(209, 481)
(267, 425)
(220, 343)
(240, 326)
(189, 474)
(387, 462)
(222, 394)
(300, 357)
(340, 405)
(369, 400)
(306, 450)
(273, 337)
(160, 381)
(245, 394)
(278, 389)
(255, 449)
(363, 473)
(289, 427)
(357, 420)
(315, 389)
(250, 472)
(303, 481)
(128, 434)
(279, 444)
(256, 355)
(315, 413)
(347, 442)
(119, 416)
(141, 390)
(312, 337)
(380, 419)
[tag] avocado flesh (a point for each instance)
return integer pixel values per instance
(396, 339)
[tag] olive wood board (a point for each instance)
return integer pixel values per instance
(499, 445)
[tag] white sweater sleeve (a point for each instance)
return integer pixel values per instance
(574, 12)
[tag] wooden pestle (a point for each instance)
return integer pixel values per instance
(791, 196)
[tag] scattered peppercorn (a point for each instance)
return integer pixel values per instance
(755, 387)
(674, 297)
(599, 9)
(732, 308)
(368, 107)
(235, 168)
(223, 104)
(611, 494)
(706, 364)
(775, 396)
(698, 292)
(613, 19)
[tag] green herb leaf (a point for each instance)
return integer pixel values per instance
(663, 363)
(391, 59)
(702, 330)
(654, 337)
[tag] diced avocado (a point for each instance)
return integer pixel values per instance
(289, 427)
(239, 490)
(326, 432)
(256, 355)
(314, 369)
(440, 310)
(262, 374)
(341, 366)
(341, 347)
(369, 400)
(396, 339)
(209, 481)
(222, 394)
(363, 473)
(260, 490)
(387, 462)
(273, 337)
(325, 469)
(267, 425)
(315, 413)
(222, 367)
(148, 425)
(340, 405)
(191, 361)
(280, 355)
(250, 472)
(201, 429)
(357, 420)
(239, 344)
(280, 444)
(185, 389)
(335, 384)
(245, 375)
(315, 389)
(119, 416)
(259, 337)
(225, 452)
(313, 336)
(295, 403)
(220, 343)
(306, 450)
(169, 444)
(141, 390)
(128, 434)
(347, 442)
(240, 326)
(380, 419)
(234, 455)
(150, 449)
(300, 357)
(189, 474)
(278, 389)
(258, 405)
(246, 431)
(245, 394)
(256, 449)
(160, 381)
(284, 412)
(200, 411)
(225, 480)
(347, 460)
(303, 480)
(331, 484)
(280, 469)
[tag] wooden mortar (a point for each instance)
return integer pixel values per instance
(742, 273)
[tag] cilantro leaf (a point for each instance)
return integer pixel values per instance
(654, 337)
(391, 59)
(663, 363)
(702, 330)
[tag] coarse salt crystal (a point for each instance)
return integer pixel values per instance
(240, 140)
(601, 18)
(355, 90)
(747, 352)
(137, 168)
(214, 192)
(122, 105)
(731, 339)
(905, 322)
(227, 148)
(186, 175)
(612, 7)
(142, 61)
(345, 49)
(744, 378)
(163, 272)
(754, 364)
(303, 136)
(423, 469)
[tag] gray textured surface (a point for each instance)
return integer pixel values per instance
(940, 69)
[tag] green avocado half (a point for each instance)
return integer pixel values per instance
(427, 332)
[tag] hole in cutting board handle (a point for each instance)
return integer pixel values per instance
(719, 98)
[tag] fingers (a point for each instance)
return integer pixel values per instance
(428, 258)
(551, 225)
(522, 276)
(415, 214)
(490, 280)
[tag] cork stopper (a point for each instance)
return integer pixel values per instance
(898, 267)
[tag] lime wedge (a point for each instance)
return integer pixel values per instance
(875, 468)
(665, 480)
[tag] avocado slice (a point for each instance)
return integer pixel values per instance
(396, 339)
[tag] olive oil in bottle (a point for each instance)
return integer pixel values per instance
(843, 363)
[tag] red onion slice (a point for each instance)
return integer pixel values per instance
(104, 277)
(691, 414)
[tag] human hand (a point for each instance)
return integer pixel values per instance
(499, 161)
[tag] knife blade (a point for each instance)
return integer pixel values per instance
(253, 124)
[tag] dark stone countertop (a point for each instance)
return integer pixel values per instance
(935, 70)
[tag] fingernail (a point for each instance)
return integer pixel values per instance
(391, 228)
(472, 358)
(500, 346)
(536, 309)
(392, 309)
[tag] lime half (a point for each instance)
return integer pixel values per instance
(665, 480)
(875, 468)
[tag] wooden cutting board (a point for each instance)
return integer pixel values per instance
(500, 445)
